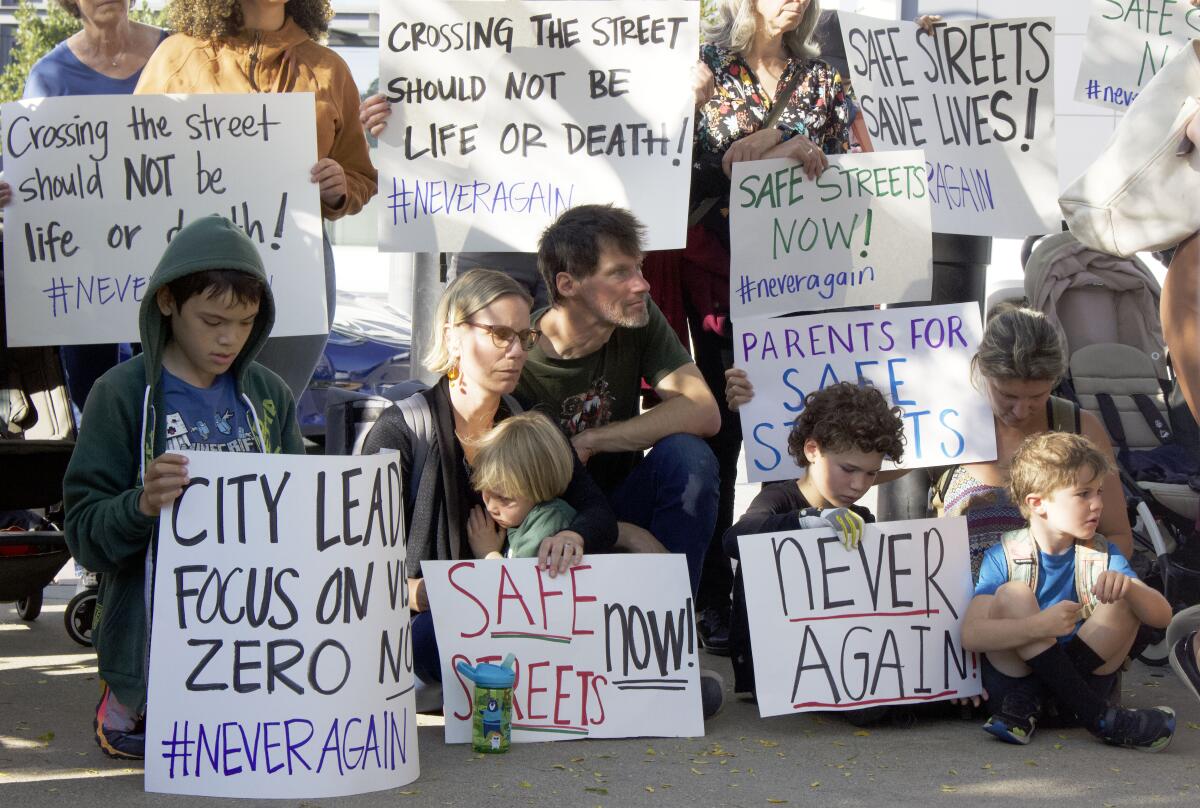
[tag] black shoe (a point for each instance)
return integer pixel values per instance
(1018, 715)
(712, 693)
(1147, 730)
(713, 625)
(1183, 660)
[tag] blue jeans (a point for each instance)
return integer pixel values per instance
(427, 663)
(673, 493)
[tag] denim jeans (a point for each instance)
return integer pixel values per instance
(427, 663)
(673, 494)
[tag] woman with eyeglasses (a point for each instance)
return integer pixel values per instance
(481, 338)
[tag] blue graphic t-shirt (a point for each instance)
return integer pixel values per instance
(1056, 575)
(209, 419)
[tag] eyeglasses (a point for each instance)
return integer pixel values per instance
(503, 336)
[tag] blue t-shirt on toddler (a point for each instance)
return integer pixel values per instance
(207, 419)
(1056, 576)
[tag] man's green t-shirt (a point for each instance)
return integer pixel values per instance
(603, 387)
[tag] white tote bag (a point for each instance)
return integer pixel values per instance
(1140, 194)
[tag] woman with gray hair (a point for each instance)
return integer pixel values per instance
(481, 339)
(761, 92)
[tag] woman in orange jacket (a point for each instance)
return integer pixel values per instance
(269, 46)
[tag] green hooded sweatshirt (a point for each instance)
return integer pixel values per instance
(124, 428)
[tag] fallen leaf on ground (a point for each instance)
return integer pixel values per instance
(768, 744)
(773, 801)
(862, 733)
(948, 789)
(525, 784)
(596, 790)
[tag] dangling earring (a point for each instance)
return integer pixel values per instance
(455, 374)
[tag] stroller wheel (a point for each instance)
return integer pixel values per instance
(1156, 655)
(78, 617)
(30, 606)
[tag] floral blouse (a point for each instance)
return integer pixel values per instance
(819, 109)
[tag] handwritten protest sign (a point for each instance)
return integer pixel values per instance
(102, 183)
(1128, 41)
(507, 113)
(605, 651)
(978, 97)
(857, 235)
(281, 664)
(837, 629)
(919, 358)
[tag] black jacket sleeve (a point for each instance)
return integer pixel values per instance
(777, 507)
(594, 517)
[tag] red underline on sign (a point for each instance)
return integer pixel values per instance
(869, 702)
(550, 728)
(529, 635)
(914, 613)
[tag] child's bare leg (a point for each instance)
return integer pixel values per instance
(1013, 601)
(1110, 632)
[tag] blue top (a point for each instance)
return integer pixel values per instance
(60, 72)
(211, 419)
(1056, 575)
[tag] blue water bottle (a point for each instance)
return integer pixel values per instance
(491, 722)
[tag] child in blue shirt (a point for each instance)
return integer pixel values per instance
(1057, 606)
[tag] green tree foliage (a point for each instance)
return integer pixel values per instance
(38, 32)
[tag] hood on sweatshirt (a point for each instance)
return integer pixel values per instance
(211, 242)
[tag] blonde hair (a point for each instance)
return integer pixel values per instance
(524, 455)
(734, 23)
(468, 293)
(1050, 461)
(1019, 343)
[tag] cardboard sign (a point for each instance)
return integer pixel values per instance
(606, 651)
(978, 97)
(918, 358)
(507, 113)
(281, 664)
(102, 183)
(837, 629)
(856, 236)
(1128, 41)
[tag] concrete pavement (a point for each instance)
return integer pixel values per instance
(48, 688)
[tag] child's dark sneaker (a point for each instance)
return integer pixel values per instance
(116, 743)
(1147, 730)
(1017, 717)
(121, 745)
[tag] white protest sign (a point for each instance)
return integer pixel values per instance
(918, 358)
(978, 97)
(102, 183)
(1128, 41)
(281, 664)
(607, 650)
(858, 235)
(837, 629)
(507, 113)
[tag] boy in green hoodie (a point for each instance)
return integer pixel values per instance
(207, 311)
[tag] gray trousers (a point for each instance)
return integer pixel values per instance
(295, 358)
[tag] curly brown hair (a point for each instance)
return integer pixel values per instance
(845, 417)
(219, 20)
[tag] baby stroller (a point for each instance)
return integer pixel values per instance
(1106, 310)
(37, 436)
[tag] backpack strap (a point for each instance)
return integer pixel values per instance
(1020, 555)
(1091, 559)
(1064, 415)
(1154, 419)
(419, 418)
